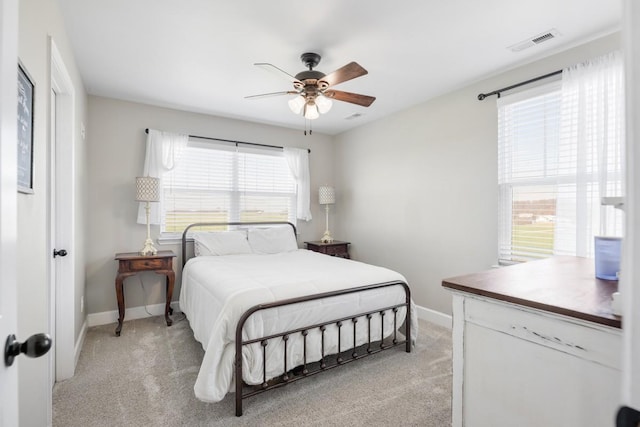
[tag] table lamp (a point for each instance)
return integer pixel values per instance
(327, 197)
(148, 190)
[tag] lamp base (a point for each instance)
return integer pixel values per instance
(326, 238)
(148, 249)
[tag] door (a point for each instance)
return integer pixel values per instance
(8, 213)
(62, 218)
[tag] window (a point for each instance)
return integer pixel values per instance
(528, 133)
(219, 182)
(560, 149)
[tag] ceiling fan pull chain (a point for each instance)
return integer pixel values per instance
(308, 123)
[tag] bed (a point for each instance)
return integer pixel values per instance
(270, 314)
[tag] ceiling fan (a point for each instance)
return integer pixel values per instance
(314, 89)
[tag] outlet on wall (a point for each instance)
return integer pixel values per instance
(82, 304)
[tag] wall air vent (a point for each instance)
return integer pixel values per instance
(535, 40)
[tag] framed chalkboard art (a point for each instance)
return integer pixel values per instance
(25, 131)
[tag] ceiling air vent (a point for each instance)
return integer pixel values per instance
(540, 38)
(353, 116)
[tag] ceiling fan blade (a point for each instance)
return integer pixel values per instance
(354, 98)
(348, 72)
(280, 72)
(267, 95)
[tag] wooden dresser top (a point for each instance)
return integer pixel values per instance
(562, 284)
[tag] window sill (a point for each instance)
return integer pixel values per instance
(506, 263)
(171, 239)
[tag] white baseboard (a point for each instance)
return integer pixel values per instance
(433, 316)
(79, 344)
(107, 317)
(132, 313)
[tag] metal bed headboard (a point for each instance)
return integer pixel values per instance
(222, 224)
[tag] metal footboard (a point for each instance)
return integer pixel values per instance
(341, 357)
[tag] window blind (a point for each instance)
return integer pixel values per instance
(219, 182)
(528, 135)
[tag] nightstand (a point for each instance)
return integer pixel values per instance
(132, 263)
(335, 248)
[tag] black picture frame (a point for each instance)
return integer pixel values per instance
(26, 92)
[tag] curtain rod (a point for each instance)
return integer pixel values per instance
(497, 91)
(234, 142)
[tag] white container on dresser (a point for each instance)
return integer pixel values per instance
(535, 345)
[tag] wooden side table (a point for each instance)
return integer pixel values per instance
(335, 248)
(132, 263)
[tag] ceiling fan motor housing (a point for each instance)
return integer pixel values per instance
(310, 77)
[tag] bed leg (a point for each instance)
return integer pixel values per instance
(238, 379)
(407, 329)
(322, 363)
(339, 360)
(355, 353)
(285, 376)
(369, 350)
(305, 371)
(238, 406)
(382, 330)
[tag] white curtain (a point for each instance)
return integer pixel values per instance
(164, 150)
(298, 161)
(590, 153)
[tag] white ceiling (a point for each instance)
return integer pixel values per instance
(198, 55)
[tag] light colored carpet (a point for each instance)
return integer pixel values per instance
(146, 376)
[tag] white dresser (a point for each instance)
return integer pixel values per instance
(535, 344)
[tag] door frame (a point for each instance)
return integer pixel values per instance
(62, 210)
(630, 281)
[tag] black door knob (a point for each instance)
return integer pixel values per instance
(627, 417)
(61, 252)
(35, 346)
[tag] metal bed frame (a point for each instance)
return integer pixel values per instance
(327, 362)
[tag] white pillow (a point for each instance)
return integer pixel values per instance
(220, 243)
(272, 240)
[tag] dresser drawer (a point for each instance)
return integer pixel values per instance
(590, 341)
(146, 264)
(336, 250)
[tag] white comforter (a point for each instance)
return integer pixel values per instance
(217, 290)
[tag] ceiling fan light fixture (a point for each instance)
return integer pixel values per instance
(324, 104)
(296, 104)
(311, 111)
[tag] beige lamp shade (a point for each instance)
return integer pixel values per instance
(147, 189)
(327, 195)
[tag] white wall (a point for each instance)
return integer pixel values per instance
(40, 19)
(417, 191)
(116, 156)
